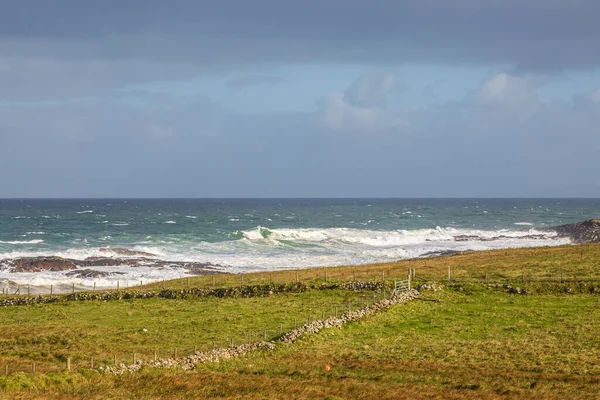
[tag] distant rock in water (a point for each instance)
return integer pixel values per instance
(38, 264)
(439, 253)
(57, 264)
(90, 273)
(126, 252)
(581, 232)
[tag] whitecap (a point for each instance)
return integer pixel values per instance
(35, 241)
(169, 222)
(523, 223)
(85, 212)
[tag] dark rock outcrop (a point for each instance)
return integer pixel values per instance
(37, 264)
(581, 232)
(90, 273)
(126, 252)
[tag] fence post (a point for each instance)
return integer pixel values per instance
(94, 286)
(213, 280)
(175, 352)
(68, 364)
(242, 279)
(195, 349)
(6, 369)
(448, 274)
(134, 358)
(155, 355)
(265, 338)
(50, 289)
(27, 290)
(297, 280)
(115, 359)
(92, 363)
(33, 368)
(73, 287)
(117, 286)
(325, 276)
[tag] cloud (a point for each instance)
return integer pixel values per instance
(146, 145)
(242, 81)
(371, 90)
(363, 105)
(516, 94)
(75, 49)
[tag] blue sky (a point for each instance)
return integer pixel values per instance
(430, 98)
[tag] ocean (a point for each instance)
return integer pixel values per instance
(244, 235)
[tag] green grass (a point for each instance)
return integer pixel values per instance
(470, 340)
(48, 334)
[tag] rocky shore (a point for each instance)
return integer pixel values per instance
(580, 232)
(84, 268)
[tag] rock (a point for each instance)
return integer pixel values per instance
(37, 264)
(443, 252)
(580, 232)
(126, 252)
(109, 261)
(90, 273)
(429, 286)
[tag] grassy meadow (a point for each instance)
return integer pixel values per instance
(472, 339)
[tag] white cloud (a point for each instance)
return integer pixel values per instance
(514, 94)
(371, 90)
(363, 106)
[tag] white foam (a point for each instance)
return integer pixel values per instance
(191, 216)
(261, 249)
(120, 224)
(523, 223)
(35, 233)
(85, 212)
(35, 241)
(169, 222)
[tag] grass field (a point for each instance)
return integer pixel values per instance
(470, 340)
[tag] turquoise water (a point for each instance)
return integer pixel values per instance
(249, 235)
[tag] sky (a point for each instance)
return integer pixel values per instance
(312, 98)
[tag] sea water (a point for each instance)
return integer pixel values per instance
(243, 235)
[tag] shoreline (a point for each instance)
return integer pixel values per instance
(208, 274)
